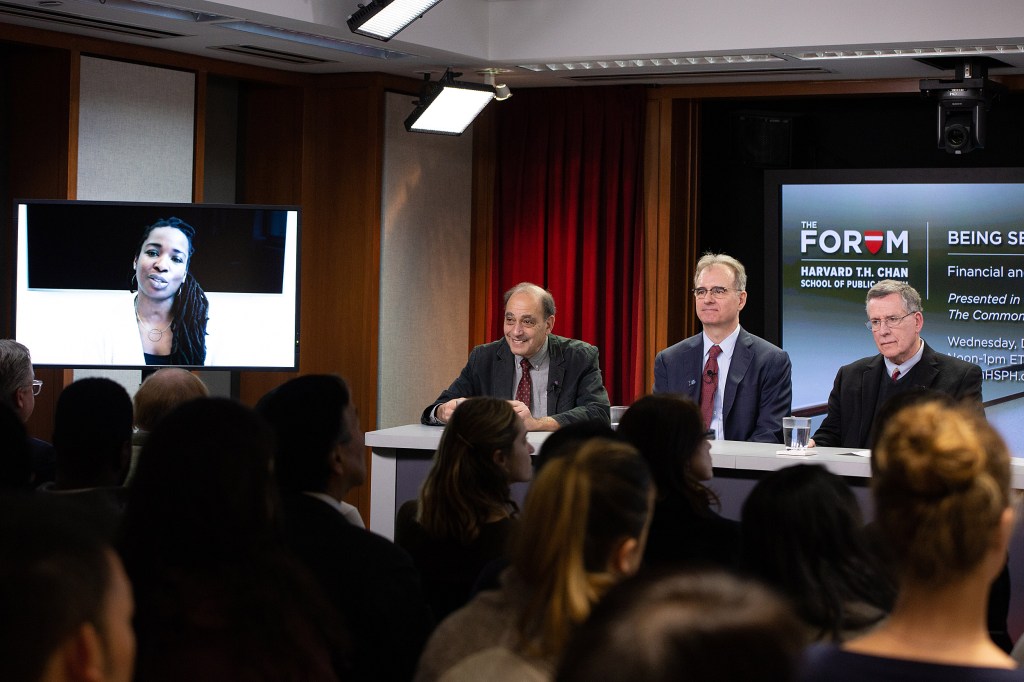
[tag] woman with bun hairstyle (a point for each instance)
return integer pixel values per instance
(465, 510)
(941, 484)
(583, 529)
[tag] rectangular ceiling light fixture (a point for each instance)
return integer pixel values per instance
(448, 106)
(382, 19)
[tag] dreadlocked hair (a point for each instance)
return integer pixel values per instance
(191, 308)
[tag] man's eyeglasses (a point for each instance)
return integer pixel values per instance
(890, 322)
(716, 292)
(37, 386)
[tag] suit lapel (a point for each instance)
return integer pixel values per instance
(693, 369)
(556, 373)
(503, 372)
(928, 368)
(741, 357)
(869, 381)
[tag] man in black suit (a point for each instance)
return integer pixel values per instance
(372, 583)
(747, 386)
(904, 362)
(549, 380)
(18, 390)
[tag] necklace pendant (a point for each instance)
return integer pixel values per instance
(155, 335)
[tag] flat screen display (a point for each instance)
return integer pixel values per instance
(94, 279)
(956, 235)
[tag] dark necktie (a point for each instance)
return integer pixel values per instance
(896, 374)
(709, 385)
(524, 392)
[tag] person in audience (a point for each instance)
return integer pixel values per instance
(373, 584)
(67, 603)
(685, 626)
(550, 380)
(218, 594)
(465, 512)
(904, 362)
(161, 392)
(583, 529)
(743, 383)
(569, 437)
(92, 431)
(803, 535)
(15, 452)
(668, 431)
(18, 390)
(941, 486)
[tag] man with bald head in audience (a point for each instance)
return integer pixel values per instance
(161, 392)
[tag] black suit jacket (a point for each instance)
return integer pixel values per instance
(575, 388)
(854, 398)
(372, 583)
(758, 391)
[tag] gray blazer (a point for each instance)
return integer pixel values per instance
(575, 388)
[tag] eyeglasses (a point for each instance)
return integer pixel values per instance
(716, 292)
(890, 322)
(37, 386)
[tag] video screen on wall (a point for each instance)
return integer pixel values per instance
(135, 285)
(956, 235)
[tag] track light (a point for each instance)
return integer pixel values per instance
(448, 106)
(382, 19)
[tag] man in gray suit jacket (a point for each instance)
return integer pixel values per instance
(752, 387)
(562, 382)
(905, 362)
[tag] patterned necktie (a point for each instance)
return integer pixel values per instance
(709, 385)
(896, 374)
(524, 392)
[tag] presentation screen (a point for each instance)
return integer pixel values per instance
(956, 235)
(88, 272)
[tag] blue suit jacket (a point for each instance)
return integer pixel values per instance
(854, 398)
(575, 388)
(758, 390)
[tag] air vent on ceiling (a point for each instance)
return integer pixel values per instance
(64, 20)
(716, 74)
(275, 55)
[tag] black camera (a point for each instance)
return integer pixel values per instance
(963, 103)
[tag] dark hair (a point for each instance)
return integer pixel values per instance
(465, 486)
(15, 452)
(667, 430)
(92, 430)
(941, 484)
(802, 533)
(683, 626)
(55, 574)
(191, 309)
(307, 414)
(162, 391)
(580, 507)
(569, 437)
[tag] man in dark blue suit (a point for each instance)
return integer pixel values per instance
(562, 382)
(746, 381)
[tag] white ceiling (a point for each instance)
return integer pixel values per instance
(725, 38)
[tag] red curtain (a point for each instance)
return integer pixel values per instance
(569, 217)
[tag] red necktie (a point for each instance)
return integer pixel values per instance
(524, 392)
(709, 385)
(896, 374)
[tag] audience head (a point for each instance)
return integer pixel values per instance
(802, 534)
(584, 527)
(204, 488)
(569, 437)
(683, 626)
(67, 602)
(319, 442)
(92, 430)
(15, 452)
(16, 375)
(482, 450)
(162, 391)
(669, 433)
(941, 484)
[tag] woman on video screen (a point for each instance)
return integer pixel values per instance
(171, 309)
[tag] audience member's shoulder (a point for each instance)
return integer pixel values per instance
(829, 663)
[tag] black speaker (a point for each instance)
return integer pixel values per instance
(764, 140)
